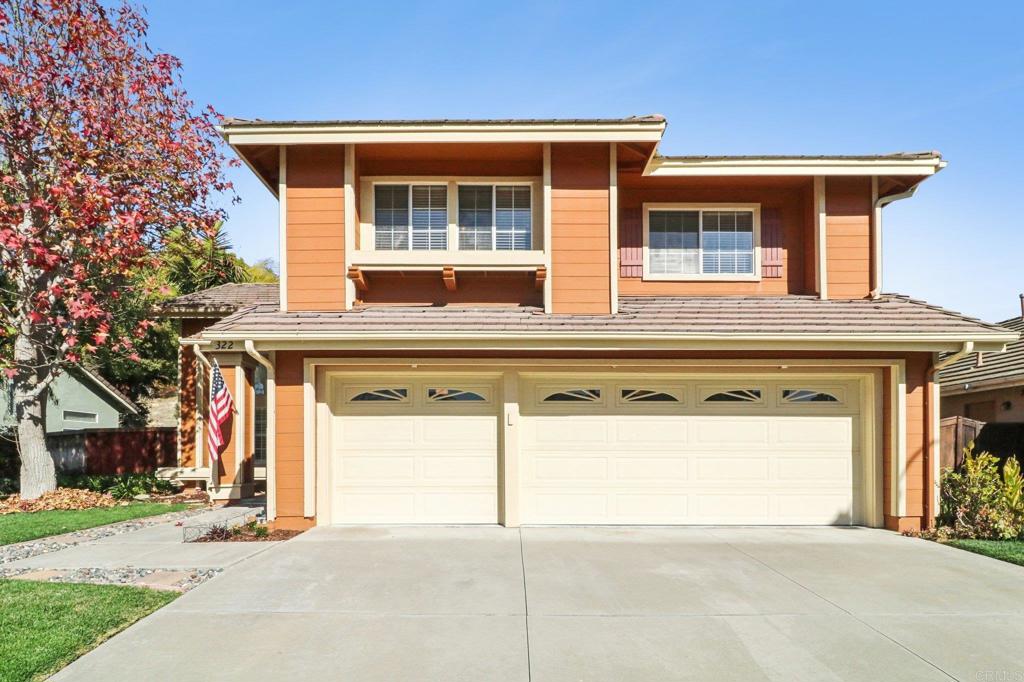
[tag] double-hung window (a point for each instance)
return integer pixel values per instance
(410, 217)
(691, 243)
(495, 217)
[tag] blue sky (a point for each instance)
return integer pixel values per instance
(732, 78)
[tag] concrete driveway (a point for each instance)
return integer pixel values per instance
(544, 604)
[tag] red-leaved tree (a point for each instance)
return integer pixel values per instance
(102, 155)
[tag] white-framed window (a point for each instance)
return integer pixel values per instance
(410, 216)
(496, 217)
(706, 241)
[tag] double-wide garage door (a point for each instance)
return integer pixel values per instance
(726, 449)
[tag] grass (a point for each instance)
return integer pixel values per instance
(1004, 550)
(45, 626)
(24, 526)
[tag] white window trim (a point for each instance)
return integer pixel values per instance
(410, 184)
(494, 211)
(367, 224)
(755, 276)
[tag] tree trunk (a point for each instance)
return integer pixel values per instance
(38, 474)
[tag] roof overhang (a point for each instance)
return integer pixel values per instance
(540, 341)
(961, 387)
(286, 133)
(668, 166)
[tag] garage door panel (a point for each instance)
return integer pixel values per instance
(814, 431)
(730, 508)
(729, 469)
(450, 507)
(814, 468)
(570, 468)
(640, 507)
(638, 432)
(378, 468)
(475, 468)
(814, 508)
(637, 469)
(377, 430)
(567, 507)
(725, 431)
(568, 432)
(472, 431)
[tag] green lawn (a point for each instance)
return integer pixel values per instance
(1004, 550)
(31, 525)
(45, 626)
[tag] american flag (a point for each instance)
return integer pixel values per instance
(221, 406)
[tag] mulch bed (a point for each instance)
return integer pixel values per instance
(246, 533)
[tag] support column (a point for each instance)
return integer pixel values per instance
(233, 472)
(508, 498)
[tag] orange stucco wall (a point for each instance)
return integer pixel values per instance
(290, 423)
(580, 238)
(848, 236)
(315, 207)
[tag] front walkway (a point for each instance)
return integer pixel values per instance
(146, 552)
(547, 604)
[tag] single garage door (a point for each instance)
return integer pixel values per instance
(729, 450)
(421, 450)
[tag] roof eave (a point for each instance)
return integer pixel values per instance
(665, 166)
(508, 339)
(640, 130)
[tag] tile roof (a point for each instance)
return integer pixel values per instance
(995, 367)
(683, 316)
(223, 300)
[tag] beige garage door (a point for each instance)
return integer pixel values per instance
(729, 450)
(420, 450)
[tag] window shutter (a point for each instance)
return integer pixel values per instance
(631, 243)
(771, 243)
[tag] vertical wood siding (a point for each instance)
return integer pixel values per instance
(580, 238)
(848, 236)
(187, 376)
(290, 434)
(783, 233)
(772, 254)
(315, 214)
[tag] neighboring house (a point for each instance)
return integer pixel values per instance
(988, 387)
(549, 322)
(78, 399)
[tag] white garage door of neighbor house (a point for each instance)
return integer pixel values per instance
(723, 450)
(421, 450)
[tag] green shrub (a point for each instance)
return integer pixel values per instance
(978, 503)
(123, 487)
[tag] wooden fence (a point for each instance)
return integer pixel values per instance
(114, 451)
(956, 433)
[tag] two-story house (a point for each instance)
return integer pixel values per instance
(549, 322)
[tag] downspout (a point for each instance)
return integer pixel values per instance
(934, 423)
(880, 203)
(196, 344)
(250, 349)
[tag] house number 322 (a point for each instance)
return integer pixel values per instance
(224, 345)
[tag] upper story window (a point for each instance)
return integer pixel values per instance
(695, 242)
(495, 217)
(410, 217)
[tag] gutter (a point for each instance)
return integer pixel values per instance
(880, 203)
(250, 349)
